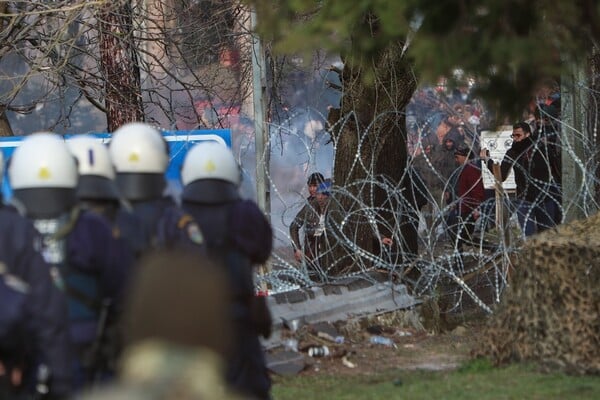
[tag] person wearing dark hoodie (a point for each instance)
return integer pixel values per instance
(443, 161)
(538, 193)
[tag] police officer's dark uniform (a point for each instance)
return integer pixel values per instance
(140, 157)
(238, 235)
(87, 262)
(34, 334)
(97, 191)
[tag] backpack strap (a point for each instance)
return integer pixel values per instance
(76, 284)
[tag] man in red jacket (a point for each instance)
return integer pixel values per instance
(470, 194)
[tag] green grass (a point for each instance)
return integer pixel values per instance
(475, 380)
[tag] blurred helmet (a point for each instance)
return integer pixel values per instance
(140, 156)
(43, 175)
(210, 174)
(96, 172)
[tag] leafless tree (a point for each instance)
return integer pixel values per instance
(178, 64)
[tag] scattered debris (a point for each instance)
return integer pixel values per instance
(286, 363)
(347, 299)
(318, 351)
(291, 344)
(376, 339)
(325, 330)
(347, 362)
(294, 324)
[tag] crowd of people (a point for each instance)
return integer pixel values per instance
(442, 125)
(100, 272)
(445, 174)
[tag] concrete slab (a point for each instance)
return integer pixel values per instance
(346, 299)
(286, 363)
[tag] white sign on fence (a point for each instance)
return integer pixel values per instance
(497, 142)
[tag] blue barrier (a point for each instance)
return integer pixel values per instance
(179, 143)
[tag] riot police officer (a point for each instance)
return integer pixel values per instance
(87, 262)
(98, 192)
(34, 337)
(239, 236)
(140, 156)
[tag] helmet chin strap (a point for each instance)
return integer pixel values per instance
(19, 206)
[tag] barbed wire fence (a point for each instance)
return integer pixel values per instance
(51, 52)
(479, 272)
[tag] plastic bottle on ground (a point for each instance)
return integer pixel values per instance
(381, 340)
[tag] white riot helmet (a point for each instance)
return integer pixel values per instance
(96, 172)
(210, 174)
(140, 156)
(43, 175)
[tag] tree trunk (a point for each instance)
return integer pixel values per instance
(119, 63)
(594, 117)
(5, 129)
(370, 139)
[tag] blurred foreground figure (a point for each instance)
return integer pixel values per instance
(177, 332)
(87, 262)
(34, 336)
(238, 236)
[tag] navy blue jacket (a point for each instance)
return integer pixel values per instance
(125, 224)
(167, 225)
(130, 228)
(92, 267)
(533, 164)
(238, 235)
(94, 250)
(46, 305)
(13, 310)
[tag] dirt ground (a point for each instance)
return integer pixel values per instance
(412, 350)
(445, 342)
(421, 351)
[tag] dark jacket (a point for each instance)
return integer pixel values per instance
(532, 167)
(92, 268)
(94, 249)
(46, 306)
(167, 225)
(239, 236)
(308, 218)
(125, 223)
